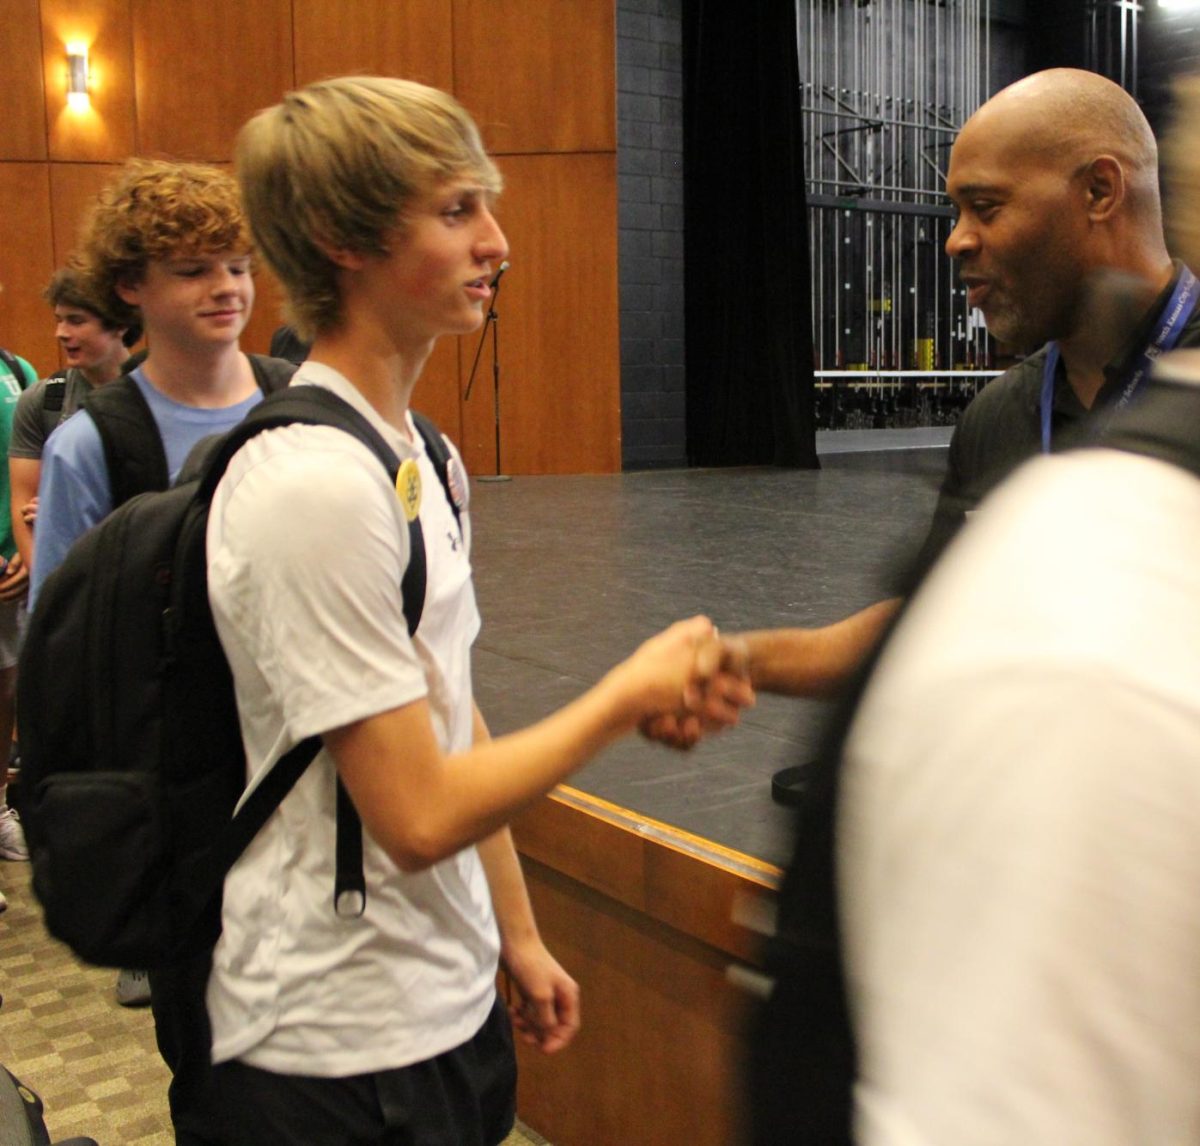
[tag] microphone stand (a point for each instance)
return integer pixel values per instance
(493, 320)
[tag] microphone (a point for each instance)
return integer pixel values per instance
(496, 281)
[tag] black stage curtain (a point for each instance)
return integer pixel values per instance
(750, 385)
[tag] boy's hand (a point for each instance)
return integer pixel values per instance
(723, 666)
(546, 1012)
(14, 581)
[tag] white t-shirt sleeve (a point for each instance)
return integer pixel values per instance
(307, 548)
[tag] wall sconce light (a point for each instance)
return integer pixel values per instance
(77, 77)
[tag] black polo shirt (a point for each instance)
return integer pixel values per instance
(1002, 427)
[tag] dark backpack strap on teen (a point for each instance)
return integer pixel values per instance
(133, 448)
(16, 369)
(315, 405)
(271, 374)
(54, 395)
(133, 451)
(439, 454)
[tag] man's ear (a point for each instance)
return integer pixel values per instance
(1105, 187)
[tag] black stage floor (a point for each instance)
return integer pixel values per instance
(573, 572)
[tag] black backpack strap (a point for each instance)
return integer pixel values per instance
(133, 450)
(439, 454)
(271, 374)
(287, 344)
(54, 395)
(314, 405)
(15, 368)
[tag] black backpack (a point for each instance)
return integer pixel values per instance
(133, 449)
(132, 757)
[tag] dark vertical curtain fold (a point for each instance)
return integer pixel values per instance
(750, 383)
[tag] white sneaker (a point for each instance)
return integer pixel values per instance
(12, 836)
(133, 989)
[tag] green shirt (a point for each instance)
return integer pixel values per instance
(10, 391)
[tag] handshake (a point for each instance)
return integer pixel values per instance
(686, 683)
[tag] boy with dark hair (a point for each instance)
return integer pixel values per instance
(96, 347)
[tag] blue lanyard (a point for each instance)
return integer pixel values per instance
(1171, 323)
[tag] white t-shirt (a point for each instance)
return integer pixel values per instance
(1019, 830)
(307, 544)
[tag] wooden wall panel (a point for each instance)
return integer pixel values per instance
(656, 1059)
(647, 918)
(27, 243)
(411, 40)
(178, 79)
(104, 132)
(22, 102)
(559, 345)
(538, 76)
(203, 67)
(73, 188)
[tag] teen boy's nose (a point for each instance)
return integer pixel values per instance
(225, 281)
(491, 242)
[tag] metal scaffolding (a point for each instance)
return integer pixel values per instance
(885, 86)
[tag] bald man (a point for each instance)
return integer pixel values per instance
(1059, 241)
(988, 932)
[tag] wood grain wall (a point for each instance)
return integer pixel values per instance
(178, 79)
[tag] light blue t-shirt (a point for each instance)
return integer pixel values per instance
(74, 492)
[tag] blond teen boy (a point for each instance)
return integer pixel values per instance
(371, 200)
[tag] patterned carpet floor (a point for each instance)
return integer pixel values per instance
(93, 1063)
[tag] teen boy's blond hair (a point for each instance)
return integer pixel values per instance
(335, 165)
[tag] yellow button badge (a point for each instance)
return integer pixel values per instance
(408, 489)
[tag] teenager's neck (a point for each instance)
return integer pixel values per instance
(209, 377)
(384, 375)
(1105, 326)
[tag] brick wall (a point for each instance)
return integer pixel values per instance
(650, 232)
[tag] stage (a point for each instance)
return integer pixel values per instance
(653, 873)
(573, 572)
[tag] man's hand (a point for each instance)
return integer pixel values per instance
(722, 664)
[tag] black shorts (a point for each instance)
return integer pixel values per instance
(464, 1097)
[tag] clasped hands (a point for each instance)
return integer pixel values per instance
(711, 678)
